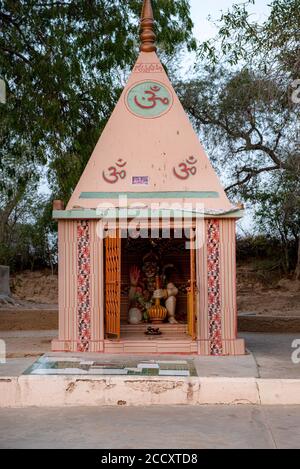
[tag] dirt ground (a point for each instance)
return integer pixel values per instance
(35, 288)
(39, 290)
(280, 299)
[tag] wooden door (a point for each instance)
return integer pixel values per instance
(113, 285)
(192, 291)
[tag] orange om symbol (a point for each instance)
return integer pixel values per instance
(186, 169)
(115, 172)
(152, 100)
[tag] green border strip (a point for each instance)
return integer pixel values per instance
(150, 195)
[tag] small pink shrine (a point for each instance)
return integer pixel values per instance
(147, 256)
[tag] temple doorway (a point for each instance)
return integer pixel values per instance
(141, 274)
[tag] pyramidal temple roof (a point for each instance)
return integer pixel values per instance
(148, 149)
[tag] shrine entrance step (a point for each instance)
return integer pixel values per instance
(174, 339)
(151, 345)
(165, 328)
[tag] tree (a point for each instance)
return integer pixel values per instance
(242, 98)
(248, 121)
(275, 42)
(64, 64)
(18, 182)
(278, 214)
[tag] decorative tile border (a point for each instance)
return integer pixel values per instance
(83, 286)
(214, 288)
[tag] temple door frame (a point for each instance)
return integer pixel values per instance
(112, 249)
(192, 289)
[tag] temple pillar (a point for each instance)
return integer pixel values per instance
(216, 278)
(229, 314)
(67, 287)
(80, 278)
(97, 287)
(202, 298)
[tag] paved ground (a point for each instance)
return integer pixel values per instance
(273, 353)
(270, 355)
(27, 343)
(159, 427)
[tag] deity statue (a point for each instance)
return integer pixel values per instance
(143, 289)
(135, 314)
(168, 293)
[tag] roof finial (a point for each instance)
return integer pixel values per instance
(147, 28)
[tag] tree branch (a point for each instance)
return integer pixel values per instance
(14, 52)
(251, 173)
(246, 136)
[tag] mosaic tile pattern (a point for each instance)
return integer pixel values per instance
(214, 291)
(76, 366)
(83, 286)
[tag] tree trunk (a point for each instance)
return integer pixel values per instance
(297, 272)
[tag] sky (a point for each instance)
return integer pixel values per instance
(204, 29)
(202, 9)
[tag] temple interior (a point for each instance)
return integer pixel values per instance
(142, 260)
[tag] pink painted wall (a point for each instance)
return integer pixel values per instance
(67, 286)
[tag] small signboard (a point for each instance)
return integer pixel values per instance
(2, 91)
(140, 180)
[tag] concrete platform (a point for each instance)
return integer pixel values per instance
(267, 376)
